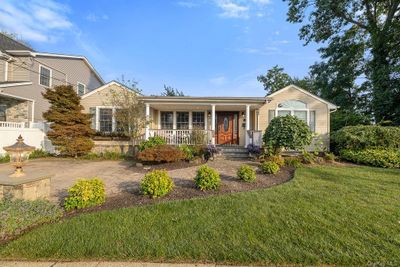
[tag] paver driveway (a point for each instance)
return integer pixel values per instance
(118, 176)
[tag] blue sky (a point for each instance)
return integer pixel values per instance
(203, 47)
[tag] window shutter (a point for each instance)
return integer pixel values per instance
(312, 120)
(271, 115)
(92, 112)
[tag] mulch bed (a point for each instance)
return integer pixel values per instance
(185, 189)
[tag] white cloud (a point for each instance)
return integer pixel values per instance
(218, 81)
(242, 9)
(230, 9)
(34, 20)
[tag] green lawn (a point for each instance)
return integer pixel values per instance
(332, 215)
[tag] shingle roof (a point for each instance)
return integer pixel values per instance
(8, 43)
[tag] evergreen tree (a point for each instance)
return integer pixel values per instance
(70, 128)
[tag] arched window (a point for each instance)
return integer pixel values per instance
(298, 109)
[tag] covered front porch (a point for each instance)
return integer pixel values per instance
(212, 120)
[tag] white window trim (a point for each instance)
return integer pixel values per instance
(292, 110)
(77, 88)
(114, 122)
(174, 118)
(50, 78)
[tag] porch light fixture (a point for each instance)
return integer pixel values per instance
(19, 153)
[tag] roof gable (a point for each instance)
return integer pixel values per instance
(106, 86)
(8, 43)
(292, 86)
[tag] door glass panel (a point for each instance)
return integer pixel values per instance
(226, 124)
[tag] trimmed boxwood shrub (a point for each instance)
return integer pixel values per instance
(286, 132)
(366, 136)
(85, 193)
(207, 178)
(386, 158)
(151, 142)
(269, 167)
(246, 173)
(20, 215)
(294, 162)
(5, 158)
(156, 184)
(162, 153)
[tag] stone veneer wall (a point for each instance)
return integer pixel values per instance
(123, 147)
(17, 110)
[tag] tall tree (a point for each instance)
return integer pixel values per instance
(171, 91)
(276, 78)
(70, 128)
(371, 29)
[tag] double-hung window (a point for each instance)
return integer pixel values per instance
(182, 120)
(106, 120)
(198, 121)
(3, 112)
(167, 120)
(81, 89)
(44, 76)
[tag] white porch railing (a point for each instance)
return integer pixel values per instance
(183, 137)
(255, 137)
(12, 125)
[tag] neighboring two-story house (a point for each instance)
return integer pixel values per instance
(25, 74)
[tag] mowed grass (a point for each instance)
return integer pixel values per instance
(325, 215)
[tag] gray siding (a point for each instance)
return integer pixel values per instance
(63, 70)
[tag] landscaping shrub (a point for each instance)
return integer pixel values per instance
(189, 154)
(207, 178)
(161, 153)
(151, 142)
(85, 193)
(366, 136)
(269, 167)
(156, 184)
(5, 158)
(308, 157)
(210, 151)
(19, 215)
(246, 173)
(39, 153)
(254, 150)
(329, 156)
(386, 158)
(278, 159)
(286, 132)
(293, 162)
(107, 155)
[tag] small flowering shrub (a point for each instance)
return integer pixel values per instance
(207, 178)
(246, 173)
(254, 150)
(269, 167)
(293, 162)
(156, 184)
(211, 150)
(20, 215)
(85, 193)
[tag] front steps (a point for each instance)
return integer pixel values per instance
(233, 152)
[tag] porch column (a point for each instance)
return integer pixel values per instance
(213, 124)
(247, 124)
(97, 119)
(147, 132)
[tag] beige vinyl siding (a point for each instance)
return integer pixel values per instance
(321, 111)
(100, 98)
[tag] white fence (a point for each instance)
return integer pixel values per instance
(33, 134)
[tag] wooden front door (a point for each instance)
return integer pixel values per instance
(227, 128)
